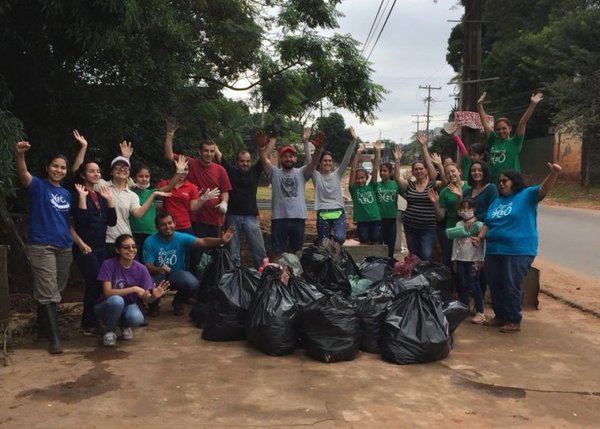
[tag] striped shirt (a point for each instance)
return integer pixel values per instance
(420, 212)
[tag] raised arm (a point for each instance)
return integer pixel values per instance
(264, 153)
(83, 144)
(181, 164)
(355, 161)
(305, 136)
(483, 116)
(436, 160)
(400, 179)
(376, 161)
(171, 126)
(536, 97)
(213, 241)
(141, 211)
(348, 155)
(550, 180)
(319, 144)
(440, 212)
(431, 171)
(457, 140)
(22, 173)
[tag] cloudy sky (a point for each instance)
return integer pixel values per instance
(411, 52)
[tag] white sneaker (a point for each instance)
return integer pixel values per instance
(110, 339)
(479, 319)
(127, 333)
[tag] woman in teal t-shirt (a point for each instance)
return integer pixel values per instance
(504, 149)
(387, 199)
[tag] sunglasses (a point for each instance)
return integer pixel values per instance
(129, 247)
(503, 181)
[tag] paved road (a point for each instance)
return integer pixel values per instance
(571, 238)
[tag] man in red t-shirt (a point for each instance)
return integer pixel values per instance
(205, 174)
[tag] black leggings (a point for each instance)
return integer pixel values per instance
(388, 235)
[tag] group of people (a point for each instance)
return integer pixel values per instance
(130, 253)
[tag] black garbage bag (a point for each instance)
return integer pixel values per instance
(320, 268)
(272, 325)
(439, 277)
(227, 308)
(372, 312)
(303, 291)
(376, 267)
(346, 263)
(415, 329)
(455, 312)
(330, 329)
(390, 286)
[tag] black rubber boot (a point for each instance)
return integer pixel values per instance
(42, 323)
(52, 328)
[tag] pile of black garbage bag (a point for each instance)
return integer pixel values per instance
(405, 319)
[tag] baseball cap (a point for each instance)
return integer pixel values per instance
(287, 148)
(119, 159)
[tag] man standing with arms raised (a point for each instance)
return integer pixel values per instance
(205, 174)
(287, 200)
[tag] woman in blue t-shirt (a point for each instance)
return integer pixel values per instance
(48, 240)
(511, 238)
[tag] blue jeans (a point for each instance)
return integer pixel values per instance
(505, 273)
(251, 228)
(369, 232)
(468, 283)
(113, 310)
(89, 266)
(332, 228)
(446, 247)
(185, 283)
(420, 242)
(283, 230)
(388, 235)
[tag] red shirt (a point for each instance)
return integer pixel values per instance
(178, 204)
(211, 176)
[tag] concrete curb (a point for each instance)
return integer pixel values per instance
(570, 303)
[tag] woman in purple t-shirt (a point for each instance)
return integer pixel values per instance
(124, 280)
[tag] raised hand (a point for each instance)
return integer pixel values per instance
(455, 190)
(454, 128)
(306, 133)
(554, 168)
(377, 145)
(80, 139)
(181, 164)
(261, 139)
(482, 97)
(171, 125)
(228, 235)
(361, 149)
(422, 138)
(536, 97)
(22, 147)
(319, 140)
(106, 193)
(160, 289)
(209, 194)
(436, 158)
(81, 190)
(352, 133)
(126, 149)
(397, 153)
(433, 195)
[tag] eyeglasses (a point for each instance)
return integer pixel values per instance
(503, 181)
(129, 247)
(121, 168)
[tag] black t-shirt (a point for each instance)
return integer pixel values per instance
(242, 197)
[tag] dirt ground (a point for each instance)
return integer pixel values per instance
(546, 376)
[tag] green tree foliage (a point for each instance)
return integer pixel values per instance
(539, 45)
(114, 68)
(338, 137)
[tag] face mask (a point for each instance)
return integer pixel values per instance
(142, 187)
(466, 215)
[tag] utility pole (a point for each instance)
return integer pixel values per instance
(418, 122)
(428, 100)
(470, 87)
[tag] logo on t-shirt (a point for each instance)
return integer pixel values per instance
(120, 284)
(166, 257)
(365, 197)
(502, 210)
(59, 202)
(498, 156)
(289, 186)
(386, 195)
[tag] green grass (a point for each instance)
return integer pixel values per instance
(574, 195)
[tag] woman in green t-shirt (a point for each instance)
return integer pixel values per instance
(365, 210)
(504, 149)
(386, 191)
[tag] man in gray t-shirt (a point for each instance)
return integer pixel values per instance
(287, 200)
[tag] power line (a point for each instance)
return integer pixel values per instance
(371, 29)
(428, 100)
(382, 28)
